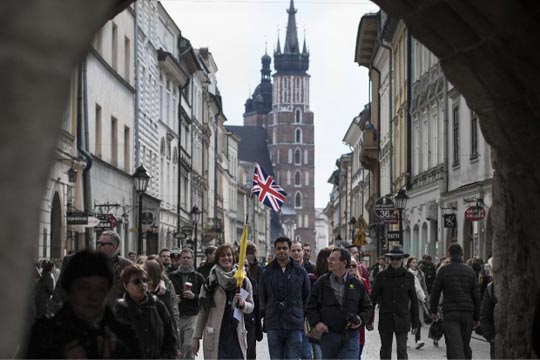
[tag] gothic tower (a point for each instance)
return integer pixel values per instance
(289, 123)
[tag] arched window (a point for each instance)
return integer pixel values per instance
(162, 147)
(175, 156)
(285, 90)
(297, 181)
(298, 200)
(297, 157)
(298, 136)
(297, 116)
(297, 89)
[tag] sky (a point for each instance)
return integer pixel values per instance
(236, 31)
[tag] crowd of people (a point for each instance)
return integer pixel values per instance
(102, 305)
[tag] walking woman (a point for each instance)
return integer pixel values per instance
(147, 315)
(354, 271)
(44, 288)
(224, 334)
(421, 291)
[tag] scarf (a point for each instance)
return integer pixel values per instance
(217, 277)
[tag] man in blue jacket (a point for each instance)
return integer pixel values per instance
(283, 294)
(339, 304)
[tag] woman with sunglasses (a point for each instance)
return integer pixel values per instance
(220, 326)
(147, 315)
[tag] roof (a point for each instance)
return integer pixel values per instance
(253, 145)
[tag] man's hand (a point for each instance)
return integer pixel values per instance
(188, 294)
(476, 324)
(434, 317)
(321, 327)
(414, 330)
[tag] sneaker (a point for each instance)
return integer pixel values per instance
(436, 343)
(419, 344)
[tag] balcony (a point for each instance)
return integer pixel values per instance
(185, 159)
(369, 156)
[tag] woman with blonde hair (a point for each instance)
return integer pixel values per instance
(421, 294)
(220, 322)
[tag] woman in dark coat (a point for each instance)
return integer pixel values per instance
(147, 315)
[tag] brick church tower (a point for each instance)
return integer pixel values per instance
(288, 120)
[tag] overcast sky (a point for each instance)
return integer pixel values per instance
(235, 31)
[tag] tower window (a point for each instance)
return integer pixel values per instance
(285, 90)
(297, 157)
(297, 116)
(298, 136)
(297, 180)
(297, 89)
(298, 200)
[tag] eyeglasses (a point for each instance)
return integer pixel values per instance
(353, 266)
(395, 258)
(139, 281)
(331, 259)
(102, 243)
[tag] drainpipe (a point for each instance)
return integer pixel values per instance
(179, 174)
(137, 91)
(409, 89)
(445, 139)
(378, 194)
(390, 146)
(82, 147)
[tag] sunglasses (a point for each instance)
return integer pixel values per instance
(139, 281)
(353, 266)
(395, 258)
(102, 243)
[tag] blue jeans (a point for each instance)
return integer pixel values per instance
(335, 346)
(285, 344)
(306, 347)
(317, 353)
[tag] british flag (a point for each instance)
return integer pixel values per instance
(267, 190)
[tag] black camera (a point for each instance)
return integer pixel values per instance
(282, 305)
(353, 319)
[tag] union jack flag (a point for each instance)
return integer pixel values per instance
(267, 190)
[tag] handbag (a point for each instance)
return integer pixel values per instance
(311, 332)
(436, 330)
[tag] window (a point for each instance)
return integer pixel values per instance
(298, 200)
(297, 180)
(127, 149)
(297, 116)
(307, 178)
(474, 135)
(288, 177)
(297, 157)
(298, 135)
(455, 121)
(285, 90)
(297, 89)
(306, 157)
(127, 59)
(290, 156)
(114, 53)
(98, 132)
(114, 141)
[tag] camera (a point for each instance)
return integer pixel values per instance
(281, 305)
(353, 319)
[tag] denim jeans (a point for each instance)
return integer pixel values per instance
(317, 353)
(285, 344)
(457, 334)
(334, 346)
(306, 347)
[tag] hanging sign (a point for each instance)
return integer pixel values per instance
(475, 213)
(450, 220)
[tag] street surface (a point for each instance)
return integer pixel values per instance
(480, 348)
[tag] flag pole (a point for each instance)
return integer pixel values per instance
(240, 274)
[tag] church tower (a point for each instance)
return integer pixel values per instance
(291, 135)
(285, 114)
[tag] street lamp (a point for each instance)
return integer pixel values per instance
(195, 216)
(351, 225)
(401, 202)
(140, 179)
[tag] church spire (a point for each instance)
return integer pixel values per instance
(291, 40)
(278, 48)
(304, 48)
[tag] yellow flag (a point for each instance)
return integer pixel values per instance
(240, 274)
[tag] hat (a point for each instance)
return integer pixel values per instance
(396, 251)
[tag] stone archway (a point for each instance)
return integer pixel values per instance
(485, 50)
(56, 227)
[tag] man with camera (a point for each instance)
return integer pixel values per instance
(339, 304)
(283, 293)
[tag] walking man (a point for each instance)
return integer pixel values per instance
(204, 269)
(394, 290)
(461, 303)
(338, 305)
(187, 284)
(308, 265)
(283, 293)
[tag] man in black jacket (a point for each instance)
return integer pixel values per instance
(461, 303)
(338, 306)
(283, 293)
(187, 284)
(394, 290)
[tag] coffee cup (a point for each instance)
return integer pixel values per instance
(187, 286)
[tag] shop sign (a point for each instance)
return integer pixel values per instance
(77, 218)
(475, 213)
